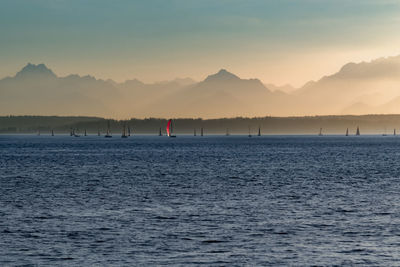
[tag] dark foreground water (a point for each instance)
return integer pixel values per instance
(192, 200)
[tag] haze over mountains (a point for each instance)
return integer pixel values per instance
(363, 88)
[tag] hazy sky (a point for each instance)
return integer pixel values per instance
(278, 41)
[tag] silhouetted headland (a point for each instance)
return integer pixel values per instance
(368, 124)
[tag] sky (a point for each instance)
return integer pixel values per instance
(285, 41)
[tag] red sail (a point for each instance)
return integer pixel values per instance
(169, 128)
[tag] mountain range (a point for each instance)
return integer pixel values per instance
(357, 88)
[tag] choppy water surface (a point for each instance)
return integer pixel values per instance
(193, 200)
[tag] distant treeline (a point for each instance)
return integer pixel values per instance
(369, 124)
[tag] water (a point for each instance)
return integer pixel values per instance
(199, 200)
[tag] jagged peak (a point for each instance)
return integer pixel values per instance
(222, 75)
(133, 82)
(33, 70)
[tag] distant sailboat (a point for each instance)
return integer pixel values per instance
(347, 132)
(129, 131)
(76, 134)
(358, 131)
(201, 131)
(249, 132)
(160, 133)
(320, 132)
(98, 133)
(85, 133)
(71, 132)
(227, 132)
(38, 132)
(170, 129)
(259, 131)
(394, 132)
(52, 132)
(124, 135)
(108, 134)
(194, 132)
(384, 134)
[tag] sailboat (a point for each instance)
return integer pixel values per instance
(169, 129)
(358, 131)
(259, 131)
(347, 132)
(320, 132)
(160, 133)
(85, 133)
(52, 132)
(227, 132)
(394, 132)
(384, 134)
(98, 133)
(194, 132)
(249, 132)
(38, 132)
(108, 134)
(201, 131)
(75, 133)
(124, 135)
(71, 132)
(129, 131)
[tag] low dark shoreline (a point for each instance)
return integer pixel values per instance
(336, 124)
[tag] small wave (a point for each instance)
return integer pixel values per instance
(212, 241)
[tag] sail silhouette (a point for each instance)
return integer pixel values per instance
(124, 135)
(76, 134)
(108, 134)
(169, 129)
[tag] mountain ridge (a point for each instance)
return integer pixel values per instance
(355, 87)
